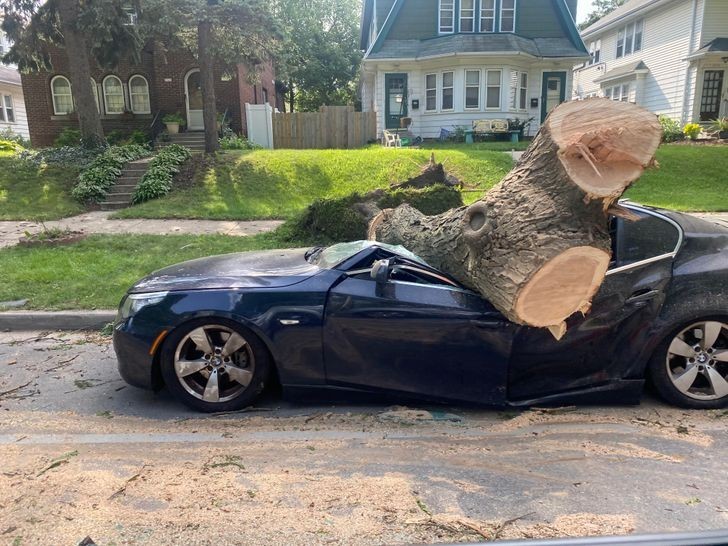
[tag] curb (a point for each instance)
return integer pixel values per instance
(55, 320)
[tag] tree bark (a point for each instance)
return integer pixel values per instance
(291, 94)
(537, 245)
(209, 107)
(89, 121)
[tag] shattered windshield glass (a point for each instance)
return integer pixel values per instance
(333, 255)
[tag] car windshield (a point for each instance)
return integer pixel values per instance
(331, 256)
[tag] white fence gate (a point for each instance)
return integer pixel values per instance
(260, 124)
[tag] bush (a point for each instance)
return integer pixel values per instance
(671, 131)
(235, 142)
(8, 134)
(67, 156)
(10, 146)
(173, 118)
(94, 182)
(157, 181)
(336, 220)
(692, 130)
(69, 137)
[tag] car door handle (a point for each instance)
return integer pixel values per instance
(643, 295)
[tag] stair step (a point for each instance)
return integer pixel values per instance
(114, 205)
(129, 178)
(123, 186)
(121, 195)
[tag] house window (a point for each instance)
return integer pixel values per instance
(447, 90)
(62, 98)
(595, 52)
(430, 92)
(487, 15)
(95, 91)
(7, 112)
(447, 16)
(139, 95)
(629, 39)
(508, 16)
(519, 90)
(493, 89)
(472, 89)
(113, 95)
(618, 92)
(265, 96)
(467, 15)
(710, 97)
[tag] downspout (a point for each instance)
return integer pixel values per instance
(684, 118)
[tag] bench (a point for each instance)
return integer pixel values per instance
(487, 127)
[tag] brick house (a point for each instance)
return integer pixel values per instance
(136, 96)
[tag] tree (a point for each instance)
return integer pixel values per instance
(537, 245)
(599, 10)
(83, 29)
(320, 55)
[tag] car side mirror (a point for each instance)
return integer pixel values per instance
(380, 271)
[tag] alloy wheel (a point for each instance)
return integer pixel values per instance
(214, 363)
(697, 360)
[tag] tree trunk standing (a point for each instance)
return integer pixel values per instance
(537, 246)
(209, 107)
(291, 94)
(89, 121)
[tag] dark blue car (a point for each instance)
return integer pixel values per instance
(368, 317)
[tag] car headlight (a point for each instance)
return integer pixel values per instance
(133, 303)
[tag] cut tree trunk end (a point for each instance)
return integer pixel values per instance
(537, 245)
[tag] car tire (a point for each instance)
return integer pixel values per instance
(214, 365)
(689, 368)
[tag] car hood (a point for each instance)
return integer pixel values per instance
(266, 269)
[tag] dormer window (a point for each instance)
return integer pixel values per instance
(467, 15)
(487, 15)
(508, 16)
(447, 16)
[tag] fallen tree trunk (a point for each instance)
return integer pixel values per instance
(537, 245)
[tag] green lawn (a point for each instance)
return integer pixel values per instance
(690, 178)
(279, 183)
(34, 193)
(95, 273)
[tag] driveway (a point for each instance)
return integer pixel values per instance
(85, 455)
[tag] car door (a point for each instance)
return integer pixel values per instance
(415, 334)
(602, 345)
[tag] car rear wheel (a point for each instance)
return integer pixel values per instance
(690, 368)
(214, 365)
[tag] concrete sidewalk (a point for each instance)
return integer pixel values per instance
(99, 222)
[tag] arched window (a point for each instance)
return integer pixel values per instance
(139, 95)
(95, 91)
(113, 95)
(62, 97)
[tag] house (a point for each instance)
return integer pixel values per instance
(137, 95)
(448, 63)
(12, 105)
(669, 56)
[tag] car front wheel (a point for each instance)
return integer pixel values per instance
(690, 368)
(214, 365)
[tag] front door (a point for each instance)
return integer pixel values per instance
(395, 93)
(712, 93)
(553, 92)
(193, 93)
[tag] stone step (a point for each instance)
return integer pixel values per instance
(114, 205)
(123, 186)
(122, 193)
(129, 178)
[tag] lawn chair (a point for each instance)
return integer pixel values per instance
(445, 134)
(391, 139)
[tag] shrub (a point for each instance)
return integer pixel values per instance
(157, 181)
(68, 137)
(66, 156)
(8, 134)
(10, 146)
(94, 182)
(140, 137)
(173, 118)
(719, 125)
(692, 130)
(235, 142)
(671, 131)
(335, 220)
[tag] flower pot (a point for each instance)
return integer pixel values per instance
(515, 135)
(172, 128)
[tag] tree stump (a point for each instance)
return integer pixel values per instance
(537, 245)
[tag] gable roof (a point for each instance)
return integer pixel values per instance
(571, 45)
(629, 8)
(623, 72)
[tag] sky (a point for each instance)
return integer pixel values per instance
(584, 8)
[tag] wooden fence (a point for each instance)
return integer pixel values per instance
(330, 127)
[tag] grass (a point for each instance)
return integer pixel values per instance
(67, 277)
(278, 184)
(690, 178)
(28, 192)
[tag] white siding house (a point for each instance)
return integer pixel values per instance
(447, 63)
(669, 56)
(12, 103)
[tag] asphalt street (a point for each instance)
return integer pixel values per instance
(85, 455)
